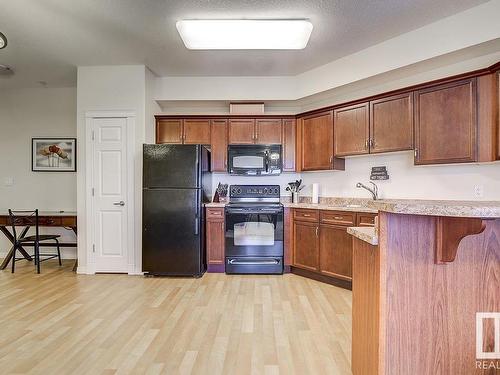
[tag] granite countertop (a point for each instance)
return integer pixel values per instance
(472, 209)
(366, 234)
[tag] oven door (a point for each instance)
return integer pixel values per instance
(254, 231)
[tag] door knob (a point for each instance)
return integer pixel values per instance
(121, 203)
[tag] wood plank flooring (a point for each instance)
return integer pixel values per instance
(61, 323)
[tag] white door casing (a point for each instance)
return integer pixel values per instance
(110, 222)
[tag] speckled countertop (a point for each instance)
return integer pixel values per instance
(473, 209)
(366, 234)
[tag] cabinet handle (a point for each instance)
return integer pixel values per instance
(416, 153)
(366, 144)
(331, 159)
(372, 143)
(317, 230)
(338, 217)
(306, 215)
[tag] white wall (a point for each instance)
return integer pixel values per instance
(27, 113)
(110, 88)
(409, 181)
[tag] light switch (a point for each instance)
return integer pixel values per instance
(8, 181)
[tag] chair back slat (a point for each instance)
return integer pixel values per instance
(26, 218)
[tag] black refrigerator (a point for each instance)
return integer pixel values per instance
(176, 183)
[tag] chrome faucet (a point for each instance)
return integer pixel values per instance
(373, 191)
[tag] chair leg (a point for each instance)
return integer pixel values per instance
(37, 256)
(58, 252)
(14, 258)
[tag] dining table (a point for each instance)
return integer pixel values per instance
(54, 219)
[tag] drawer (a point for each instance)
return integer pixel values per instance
(338, 218)
(215, 213)
(306, 215)
(366, 220)
(51, 221)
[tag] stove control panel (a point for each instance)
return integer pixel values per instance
(254, 191)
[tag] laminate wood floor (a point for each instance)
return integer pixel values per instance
(62, 323)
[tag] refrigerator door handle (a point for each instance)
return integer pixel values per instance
(196, 226)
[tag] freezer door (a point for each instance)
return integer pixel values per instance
(172, 236)
(172, 166)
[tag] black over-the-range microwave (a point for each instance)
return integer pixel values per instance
(254, 160)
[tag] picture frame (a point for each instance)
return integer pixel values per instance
(53, 154)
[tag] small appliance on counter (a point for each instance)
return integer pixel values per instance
(176, 183)
(254, 160)
(254, 230)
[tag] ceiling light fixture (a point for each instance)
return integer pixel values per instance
(3, 41)
(245, 34)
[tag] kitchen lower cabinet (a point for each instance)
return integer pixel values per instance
(322, 248)
(335, 252)
(306, 245)
(215, 239)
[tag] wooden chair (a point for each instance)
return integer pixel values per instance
(30, 218)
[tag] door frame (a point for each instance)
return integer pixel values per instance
(89, 184)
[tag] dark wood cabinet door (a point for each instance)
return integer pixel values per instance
(196, 131)
(169, 131)
(268, 131)
(445, 123)
(306, 245)
(351, 130)
(335, 252)
(317, 142)
(288, 145)
(218, 144)
(242, 131)
(391, 123)
(215, 239)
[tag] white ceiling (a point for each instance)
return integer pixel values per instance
(48, 39)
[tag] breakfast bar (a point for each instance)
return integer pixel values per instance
(417, 292)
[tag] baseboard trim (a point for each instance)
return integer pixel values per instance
(216, 268)
(325, 279)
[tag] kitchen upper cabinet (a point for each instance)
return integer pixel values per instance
(196, 131)
(178, 131)
(255, 131)
(218, 134)
(169, 131)
(268, 131)
(288, 145)
(445, 123)
(315, 143)
(335, 249)
(391, 123)
(306, 245)
(242, 131)
(215, 239)
(351, 130)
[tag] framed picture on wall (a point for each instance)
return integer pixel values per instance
(53, 154)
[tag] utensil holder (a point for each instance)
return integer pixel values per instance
(295, 197)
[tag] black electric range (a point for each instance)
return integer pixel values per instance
(254, 230)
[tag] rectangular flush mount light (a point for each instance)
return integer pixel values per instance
(245, 34)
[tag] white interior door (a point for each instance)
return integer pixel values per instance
(110, 194)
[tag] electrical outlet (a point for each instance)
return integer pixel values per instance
(478, 191)
(8, 181)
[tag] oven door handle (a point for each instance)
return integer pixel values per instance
(253, 211)
(253, 262)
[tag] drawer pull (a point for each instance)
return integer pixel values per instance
(306, 215)
(338, 217)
